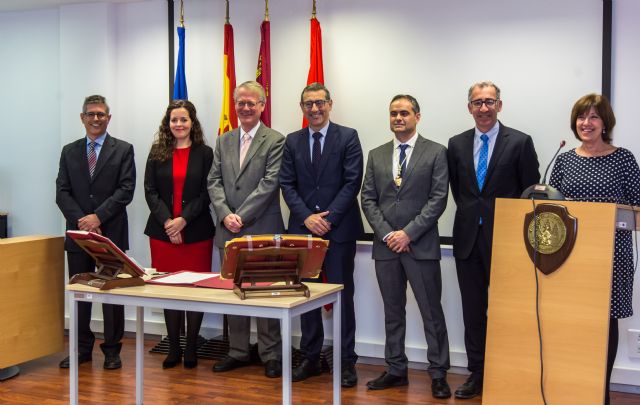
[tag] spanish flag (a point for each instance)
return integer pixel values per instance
(228, 117)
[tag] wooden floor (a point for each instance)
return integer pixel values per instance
(42, 382)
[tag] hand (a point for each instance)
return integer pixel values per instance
(174, 226)
(317, 224)
(176, 240)
(399, 242)
(89, 223)
(233, 223)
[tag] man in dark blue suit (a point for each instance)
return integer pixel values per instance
(320, 177)
(95, 183)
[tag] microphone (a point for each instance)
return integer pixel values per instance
(543, 191)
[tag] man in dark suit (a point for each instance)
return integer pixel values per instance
(243, 186)
(404, 193)
(95, 183)
(487, 162)
(320, 177)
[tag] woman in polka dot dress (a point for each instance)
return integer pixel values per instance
(597, 171)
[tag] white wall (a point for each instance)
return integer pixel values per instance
(540, 53)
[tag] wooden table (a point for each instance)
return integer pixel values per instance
(207, 300)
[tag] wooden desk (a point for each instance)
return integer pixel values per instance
(31, 298)
(207, 300)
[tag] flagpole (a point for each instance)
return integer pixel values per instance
(227, 11)
(182, 13)
(266, 10)
(313, 11)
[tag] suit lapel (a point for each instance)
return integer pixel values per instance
(80, 153)
(233, 147)
(305, 149)
(105, 153)
(467, 158)
(387, 164)
(416, 155)
(502, 139)
(329, 144)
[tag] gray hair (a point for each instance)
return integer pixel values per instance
(253, 87)
(482, 85)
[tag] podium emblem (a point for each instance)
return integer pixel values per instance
(550, 236)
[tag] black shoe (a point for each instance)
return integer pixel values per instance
(82, 358)
(306, 369)
(172, 360)
(440, 388)
(387, 380)
(471, 388)
(112, 361)
(273, 368)
(349, 377)
(190, 358)
(228, 364)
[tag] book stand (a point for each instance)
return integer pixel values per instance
(114, 268)
(281, 259)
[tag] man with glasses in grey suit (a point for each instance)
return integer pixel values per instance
(244, 190)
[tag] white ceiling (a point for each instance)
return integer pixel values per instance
(16, 5)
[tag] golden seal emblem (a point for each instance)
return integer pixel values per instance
(550, 231)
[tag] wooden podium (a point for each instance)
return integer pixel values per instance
(574, 309)
(31, 298)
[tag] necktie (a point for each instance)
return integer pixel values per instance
(244, 147)
(317, 152)
(481, 171)
(92, 158)
(402, 160)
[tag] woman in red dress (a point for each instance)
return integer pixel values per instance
(179, 227)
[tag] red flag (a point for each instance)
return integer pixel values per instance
(228, 116)
(316, 71)
(263, 72)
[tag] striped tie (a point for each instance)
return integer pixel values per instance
(481, 171)
(92, 158)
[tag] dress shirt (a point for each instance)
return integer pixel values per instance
(396, 153)
(323, 131)
(492, 134)
(99, 141)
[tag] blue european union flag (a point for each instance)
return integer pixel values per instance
(180, 83)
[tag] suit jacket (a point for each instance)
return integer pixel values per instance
(107, 194)
(251, 190)
(415, 206)
(512, 168)
(158, 191)
(336, 187)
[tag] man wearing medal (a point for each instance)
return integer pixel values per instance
(404, 193)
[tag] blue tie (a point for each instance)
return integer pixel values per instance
(481, 171)
(403, 159)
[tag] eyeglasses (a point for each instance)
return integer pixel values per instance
(92, 115)
(489, 102)
(250, 104)
(318, 103)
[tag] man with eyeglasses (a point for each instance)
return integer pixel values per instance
(95, 183)
(320, 178)
(487, 162)
(404, 194)
(243, 186)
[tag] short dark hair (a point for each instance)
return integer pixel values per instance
(414, 103)
(94, 99)
(602, 105)
(315, 87)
